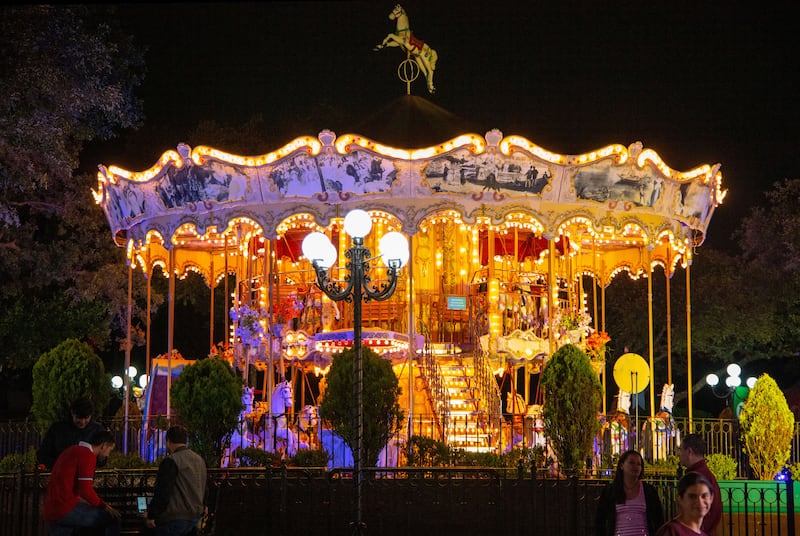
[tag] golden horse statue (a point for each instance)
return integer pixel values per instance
(424, 56)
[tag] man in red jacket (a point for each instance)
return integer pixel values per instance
(71, 500)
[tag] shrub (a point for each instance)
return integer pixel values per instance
(207, 398)
(572, 394)
(380, 409)
(12, 462)
(255, 457)
(119, 460)
(427, 452)
(767, 428)
(310, 458)
(661, 467)
(722, 466)
(477, 459)
(65, 373)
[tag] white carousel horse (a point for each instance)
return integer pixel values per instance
(278, 435)
(340, 454)
(424, 56)
(660, 433)
(243, 435)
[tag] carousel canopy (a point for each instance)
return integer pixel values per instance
(616, 208)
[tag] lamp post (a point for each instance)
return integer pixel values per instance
(124, 384)
(355, 287)
(733, 385)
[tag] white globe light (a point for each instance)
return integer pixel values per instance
(394, 247)
(357, 223)
(317, 248)
(712, 380)
(734, 370)
(116, 382)
(143, 381)
(132, 371)
(751, 382)
(733, 381)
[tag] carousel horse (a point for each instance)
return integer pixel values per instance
(424, 56)
(340, 455)
(536, 415)
(307, 421)
(660, 433)
(615, 430)
(243, 435)
(278, 435)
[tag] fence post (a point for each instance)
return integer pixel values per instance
(789, 504)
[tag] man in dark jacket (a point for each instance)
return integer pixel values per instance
(692, 454)
(178, 502)
(62, 434)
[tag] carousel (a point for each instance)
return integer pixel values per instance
(503, 237)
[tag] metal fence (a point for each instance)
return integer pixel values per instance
(721, 435)
(475, 501)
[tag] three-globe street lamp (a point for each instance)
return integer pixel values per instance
(357, 286)
(733, 384)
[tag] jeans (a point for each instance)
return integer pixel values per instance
(85, 515)
(179, 527)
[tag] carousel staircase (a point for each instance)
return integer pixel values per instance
(468, 425)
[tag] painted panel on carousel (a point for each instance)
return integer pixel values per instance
(358, 172)
(605, 182)
(178, 188)
(463, 172)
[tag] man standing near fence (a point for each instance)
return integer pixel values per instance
(62, 434)
(178, 502)
(692, 453)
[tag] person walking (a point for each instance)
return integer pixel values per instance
(62, 434)
(695, 496)
(178, 502)
(628, 506)
(692, 454)
(71, 500)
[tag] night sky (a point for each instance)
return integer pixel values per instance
(699, 82)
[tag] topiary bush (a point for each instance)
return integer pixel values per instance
(380, 409)
(767, 428)
(572, 394)
(207, 398)
(69, 371)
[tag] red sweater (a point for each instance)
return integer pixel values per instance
(72, 479)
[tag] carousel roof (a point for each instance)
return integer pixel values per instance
(618, 208)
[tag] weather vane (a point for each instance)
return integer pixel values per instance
(419, 56)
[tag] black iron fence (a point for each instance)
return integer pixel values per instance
(148, 439)
(475, 501)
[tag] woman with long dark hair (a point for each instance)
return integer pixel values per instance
(629, 506)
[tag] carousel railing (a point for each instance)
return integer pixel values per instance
(434, 383)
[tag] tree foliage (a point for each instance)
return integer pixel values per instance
(68, 79)
(572, 395)
(67, 372)
(767, 428)
(207, 398)
(380, 407)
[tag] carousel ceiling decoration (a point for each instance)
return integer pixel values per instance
(616, 208)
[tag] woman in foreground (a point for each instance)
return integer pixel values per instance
(694, 499)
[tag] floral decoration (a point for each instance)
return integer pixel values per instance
(596, 345)
(248, 324)
(289, 308)
(571, 320)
